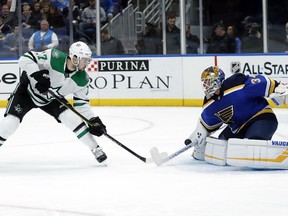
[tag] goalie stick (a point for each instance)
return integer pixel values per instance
(66, 103)
(158, 158)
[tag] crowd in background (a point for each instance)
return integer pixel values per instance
(45, 24)
(223, 39)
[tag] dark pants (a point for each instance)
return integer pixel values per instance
(263, 129)
(20, 103)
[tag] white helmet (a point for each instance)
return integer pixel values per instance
(80, 50)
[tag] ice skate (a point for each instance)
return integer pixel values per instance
(99, 154)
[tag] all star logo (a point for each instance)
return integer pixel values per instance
(18, 108)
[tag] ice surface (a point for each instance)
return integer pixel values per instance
(46, 171)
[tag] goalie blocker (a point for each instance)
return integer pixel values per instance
(261, 154)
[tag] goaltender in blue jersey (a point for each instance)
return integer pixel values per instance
(240, 103)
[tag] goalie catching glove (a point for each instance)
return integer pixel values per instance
(98, 128)
(43, 81)
(279, 97)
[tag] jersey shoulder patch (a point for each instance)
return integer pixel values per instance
(81, 78)
(57, 60)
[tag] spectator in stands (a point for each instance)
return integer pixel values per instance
(88, 18)
(2, 37)
(247, 23)
(43, 39)
(232, 33)
(76, 15)
(220, 42)
(192, 41)
(36, 16)
(26, 14)
(107, 5)
(253, 42)
(51, 14)
(286, 38)
(8, 14)
(11, 41)
(110, 45)
(4, 28)
(118, 6)
(150, 42)
(60, 4)
(172, 35)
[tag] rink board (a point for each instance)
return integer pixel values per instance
(155, 81)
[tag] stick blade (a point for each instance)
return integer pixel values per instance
(157, 157)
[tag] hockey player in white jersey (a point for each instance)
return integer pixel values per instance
(63, 74)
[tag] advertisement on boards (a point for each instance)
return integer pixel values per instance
(9, 77)
(273, 66)
(154, 81)
(138, 78)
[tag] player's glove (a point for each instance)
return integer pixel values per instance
(279, 97)
(43, 81)
(98, 128)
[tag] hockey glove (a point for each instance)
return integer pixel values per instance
(279, 97)
(43, 81)
(98, 128)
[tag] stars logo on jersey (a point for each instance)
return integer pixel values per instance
(226, 114)
(55, 54)
(18, 108)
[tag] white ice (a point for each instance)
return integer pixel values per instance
(46, 171)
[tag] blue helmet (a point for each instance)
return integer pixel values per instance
(212, 79)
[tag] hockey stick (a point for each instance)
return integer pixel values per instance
(159, 160)
(66, 103)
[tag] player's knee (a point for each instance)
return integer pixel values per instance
(8, 126)
(70, 120)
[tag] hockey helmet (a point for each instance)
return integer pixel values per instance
(79, 50)
(212, 79)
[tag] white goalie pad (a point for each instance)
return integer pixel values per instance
(261, 154)
(216, 151)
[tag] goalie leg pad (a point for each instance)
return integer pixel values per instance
(261, 154)
(216, 151)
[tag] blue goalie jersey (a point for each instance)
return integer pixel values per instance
(242, 98)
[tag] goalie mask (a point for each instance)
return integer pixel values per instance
(80, 52)
(212, 79)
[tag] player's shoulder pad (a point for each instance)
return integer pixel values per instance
(57, 54)
(234, 80)
(81, 78)
(57, 60)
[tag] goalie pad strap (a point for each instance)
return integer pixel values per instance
(264, 154)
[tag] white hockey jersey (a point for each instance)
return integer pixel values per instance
(62, 83)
